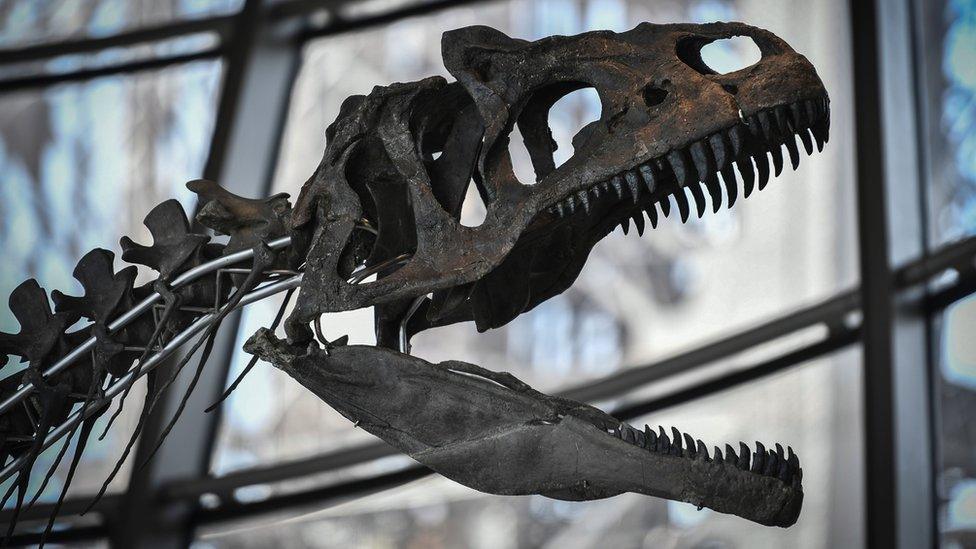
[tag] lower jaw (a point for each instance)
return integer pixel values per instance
(494, 434)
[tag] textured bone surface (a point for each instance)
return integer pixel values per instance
(493, 433)
(667, 122)
(386, 200)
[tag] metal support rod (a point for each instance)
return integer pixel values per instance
(123, 320)
(150, 364)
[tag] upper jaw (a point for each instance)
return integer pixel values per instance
(748, 144)
(500, 436)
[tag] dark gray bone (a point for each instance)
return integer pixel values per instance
(495, 434)
(390, 186)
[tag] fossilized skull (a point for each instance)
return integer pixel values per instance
(398, 164)
(406, 154)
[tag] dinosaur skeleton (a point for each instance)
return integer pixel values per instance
(386, 201)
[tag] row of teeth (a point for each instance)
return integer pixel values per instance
(748, 146)
(784, 465)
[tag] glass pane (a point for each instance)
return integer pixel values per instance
(80, 166)
(955, 433)
(814, 407)
(28, 22)
(948, 30)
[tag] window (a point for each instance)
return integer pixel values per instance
(744, 324)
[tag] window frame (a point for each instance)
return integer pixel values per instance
(260, 47)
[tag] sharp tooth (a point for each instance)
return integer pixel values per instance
(714, 190)
(701, 154)
(689, 445)
(743, 456)
(717, 454)
(625, 225)
(721, 149)
(633, 184)
(675, 442)
(605, 184)
(758, 458)
(820, 134)
(648, 175)
(784, 472)
(681, 167)
(755, 126)
(730, 454)
(792, 150)
(777, 153)
(772, 464)
(731, 187)
(748, 175)
(699, 196)
(639, 440)
(807, 142)
(618, 186)
(627, 434)
(782, 119)
(652, 215)
(780, 452)
(739, 138)
(584, 198)
(665, 204)
(570, 203)
(559, 209)
(792, 459)
(639, 223)
(595, 189)
(701, 451)
(663, 443)
(762, 168)
(651, 437)
(810, 106)
(766, 124)
(798, 115)
(682, 200)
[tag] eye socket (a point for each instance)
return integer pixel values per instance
(718, 56)
(654, 95)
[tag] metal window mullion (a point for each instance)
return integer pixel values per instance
(891, 227)
(41, 52)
